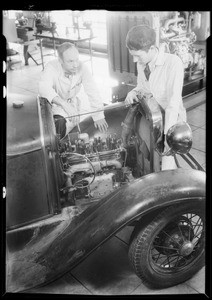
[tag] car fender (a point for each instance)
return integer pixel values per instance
(45, 259)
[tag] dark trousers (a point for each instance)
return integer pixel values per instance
(60, 124)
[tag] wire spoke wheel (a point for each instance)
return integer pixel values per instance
(170, 249)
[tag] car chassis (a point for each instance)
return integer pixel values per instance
(66, 197)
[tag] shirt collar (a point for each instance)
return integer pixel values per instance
(158, 59)
(67, 75)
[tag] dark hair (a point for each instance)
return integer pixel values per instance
(140, 37)
(63, 47)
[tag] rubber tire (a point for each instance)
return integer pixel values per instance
(141, 245)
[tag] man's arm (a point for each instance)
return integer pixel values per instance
(46, 83)
(174, 93)
(132, 95)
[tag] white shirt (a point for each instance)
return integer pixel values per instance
(165, 83)
(79, 87)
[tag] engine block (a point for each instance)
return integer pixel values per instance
(93, 167)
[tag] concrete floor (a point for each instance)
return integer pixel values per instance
(107, 271)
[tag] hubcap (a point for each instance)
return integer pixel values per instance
(177, 239)
(179, 243)
(186, 248)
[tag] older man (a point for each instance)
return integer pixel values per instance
(159, 73)
(67, 84)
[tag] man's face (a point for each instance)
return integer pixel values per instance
(70, 61)
(141, 56)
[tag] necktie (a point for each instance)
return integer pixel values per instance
(67, 74)
(147, 71)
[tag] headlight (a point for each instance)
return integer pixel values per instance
(179, 138)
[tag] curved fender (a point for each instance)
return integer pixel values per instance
(75, 240)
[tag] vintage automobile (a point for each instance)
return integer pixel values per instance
(66, 197)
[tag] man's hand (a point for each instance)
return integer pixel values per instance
(131, 97)
(101, 125)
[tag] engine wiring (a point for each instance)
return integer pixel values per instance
(81, 180)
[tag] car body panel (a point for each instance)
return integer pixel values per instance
(60, 246)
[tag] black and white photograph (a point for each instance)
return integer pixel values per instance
(105, 152)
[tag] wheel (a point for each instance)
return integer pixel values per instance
(170, 249)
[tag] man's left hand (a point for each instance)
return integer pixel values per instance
(101, 125)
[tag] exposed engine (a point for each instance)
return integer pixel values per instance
(95, 167)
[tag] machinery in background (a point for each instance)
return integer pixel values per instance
(41, 26)
(182, 33)
(179, 37)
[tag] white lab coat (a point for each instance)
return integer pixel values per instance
(165, 83)
(79, 87)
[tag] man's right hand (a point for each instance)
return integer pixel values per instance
(131, 98)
